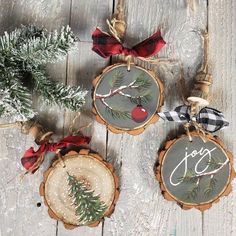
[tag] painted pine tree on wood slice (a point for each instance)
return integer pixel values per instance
(88, 206)
(81, 193)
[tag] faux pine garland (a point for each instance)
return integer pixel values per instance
(24, 54)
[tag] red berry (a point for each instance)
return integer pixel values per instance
(139, 114)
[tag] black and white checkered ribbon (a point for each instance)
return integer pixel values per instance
(210, 119)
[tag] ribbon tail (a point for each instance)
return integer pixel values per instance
(179, 114)
(31, 160)
(150, 46)
(174, 116)
(212, 119)
(69, 141)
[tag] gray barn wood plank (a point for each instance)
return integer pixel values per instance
(87, 15)
(19, 213)
(141, 209)
(51, 14)
(220, 219)
(83, 66)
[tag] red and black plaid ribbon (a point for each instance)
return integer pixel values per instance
(106, 45)
(32, 159)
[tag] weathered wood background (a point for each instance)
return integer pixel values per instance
(141, 209)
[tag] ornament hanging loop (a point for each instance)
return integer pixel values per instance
(202, 81)
(60, 158)
(128, 60)
(117, 25)
(186, 127)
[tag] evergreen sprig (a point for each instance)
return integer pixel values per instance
(143, 98)
(14, 97)
(52, 92)
(88, 206)
(23, 56)
(117, 79)
(142, 83)
(210, 186)
(118, 114)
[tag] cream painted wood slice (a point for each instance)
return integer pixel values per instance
(89, 168)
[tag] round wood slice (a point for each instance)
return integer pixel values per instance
(197, 173)
(134, 113)
(96, 173)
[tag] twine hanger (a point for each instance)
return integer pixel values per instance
(41, 136)
(200, 96)
(117, 28)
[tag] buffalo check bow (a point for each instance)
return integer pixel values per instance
(210, 119)
(106, 45)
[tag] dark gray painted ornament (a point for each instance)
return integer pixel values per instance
(127, 100)
(195, 173)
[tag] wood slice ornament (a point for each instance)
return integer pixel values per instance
(126, 97)
(195, 173)
(76, 179)
(127, 100)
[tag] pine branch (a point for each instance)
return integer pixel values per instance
(189, 177)
(117, 79)
(192, 192)
(57, 93)
(193, 179)
(141, 83)
(31, 46)
(143, 98)
(88, 206)
(116, 91)
(23, 55)
(117, 114)
(210, 187)
(14, 97)
(49, 47)
(214, 163)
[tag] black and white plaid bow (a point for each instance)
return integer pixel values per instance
(210, 119)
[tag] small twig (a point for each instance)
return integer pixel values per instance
(106, 104)
(116, 91)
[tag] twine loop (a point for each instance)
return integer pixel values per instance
(193, 123)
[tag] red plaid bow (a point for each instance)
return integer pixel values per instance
(106, 45)
(32, 159)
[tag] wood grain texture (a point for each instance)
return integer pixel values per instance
(19, 212)
(141, 209)
(51, 14)
(220, 220)
(83, 65)
(87, 15)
